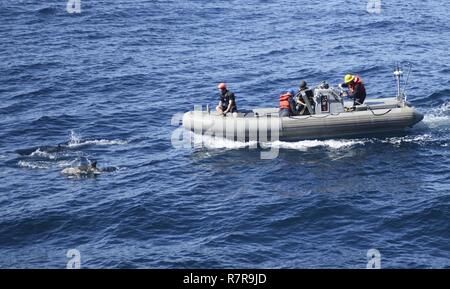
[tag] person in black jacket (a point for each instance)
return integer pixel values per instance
(304, 91)
(356, 89)
(227, 101)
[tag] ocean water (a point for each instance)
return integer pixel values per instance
(104, 85)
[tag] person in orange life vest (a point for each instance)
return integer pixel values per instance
(356, 89)
(287, 104)
(227, 101)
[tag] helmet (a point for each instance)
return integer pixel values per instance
(289, 91)
(222, 86)
(348, 78)
(302, 84)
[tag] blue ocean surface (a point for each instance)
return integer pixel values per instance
(104, 85)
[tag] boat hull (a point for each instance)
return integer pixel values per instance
(266, 125)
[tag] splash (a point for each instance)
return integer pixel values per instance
(74, 138)
(42, 154)
(211, 142)
(33, 165)
(304, 145)
(417, 139)
(438, 117)
(77, 141)
(98, 142)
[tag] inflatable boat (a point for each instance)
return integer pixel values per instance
(329, 118)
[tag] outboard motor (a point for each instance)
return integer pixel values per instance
(327, 100)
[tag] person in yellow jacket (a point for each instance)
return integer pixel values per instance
(356, 88)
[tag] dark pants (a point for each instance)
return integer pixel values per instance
(359, 100)
(302, 110)
(284, 112)
(233, 109)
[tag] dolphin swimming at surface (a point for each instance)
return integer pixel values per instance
(90, 168)
(87, 169)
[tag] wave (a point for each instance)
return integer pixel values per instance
(274, 52)
(444, 93)
(47, 11)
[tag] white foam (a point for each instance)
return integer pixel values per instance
(42, 154)
(438, 116)
(304, 145)
(97, 142)
(420, 139)
(77, 171)
(76, 141)
(211, 142)
(33, 165)
(62, 164)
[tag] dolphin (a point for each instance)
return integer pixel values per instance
(47, 149)
(89, 169)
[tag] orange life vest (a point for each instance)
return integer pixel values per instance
(284, 100)
(356, 81)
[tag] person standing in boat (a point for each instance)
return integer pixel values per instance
(287, 104)
(356, 89)
(227, 101)
(302, 93)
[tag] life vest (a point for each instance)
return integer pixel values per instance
(354, 83)
(284, 101)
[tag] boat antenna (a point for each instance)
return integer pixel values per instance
(406, 81)
(398, 76)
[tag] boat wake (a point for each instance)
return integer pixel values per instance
(421, 136)
(438, 117)
(210, 142)
(304, 145)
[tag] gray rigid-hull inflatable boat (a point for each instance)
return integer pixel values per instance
(328, 119)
